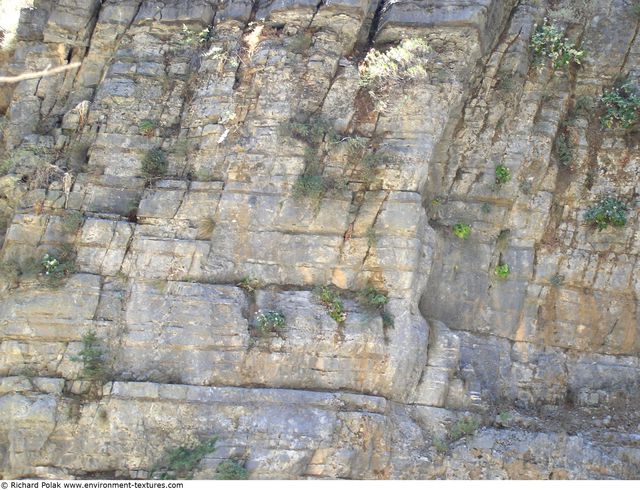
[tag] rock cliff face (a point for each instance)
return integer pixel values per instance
(214, 161)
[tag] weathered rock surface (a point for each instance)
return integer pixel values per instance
(533, 376)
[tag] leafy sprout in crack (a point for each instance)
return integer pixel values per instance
(231, 469)
(502, 174)
(502, 271)
(462, 230)
(548, 43)
(622, 104)
(92, 357)
(249, 284)
(371, 297)
(608, 211)
(147, 127)
(269, 322)
(154, 163)
(332, 302)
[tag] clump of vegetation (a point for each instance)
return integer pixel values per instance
(564, 152)
(249, 284)
(147, 127)
(504, 417)
(548, 42)
(192, 38)
(622, 104)
(309, 186)
(370, 297)
(399, 64)
(231, 470)
(314, 186)
(206, 226)
(608, 211)
(154, 163)
(92, 357)
(181, 463)
(556, 280)
(374, 299)
(269, 322)
(502, 174)
(502, 271)
(441, 445)
(55, 268)
(466, 426)
(462, 230)
(332, 302)
(372, 161)
(71, 221)
(313, 131)
(463, 427)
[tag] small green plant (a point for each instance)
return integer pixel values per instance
(249, 284)
(371, 237)
(635, 9)
(462, 230)
(505, 81)
(154, 164)
(463, 427)
(622, 104)
(53, 269)
(181, 463)
(504, 417)
(309, 186)
(268, 322)
(502, 174)
(502, 271)
(192, 38)
(92, 357)
(440, 445)
(147, 127)
(608, 211)
(372, 161)
(332, 302)
(206, 226)
(231, 470)
(370, 297)
(563, 150)
(486, 208)
(406, 62)
(71, 221)
(556, 280)
(548, 43)
(313, 131)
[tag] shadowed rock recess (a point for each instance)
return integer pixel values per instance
(212, 164)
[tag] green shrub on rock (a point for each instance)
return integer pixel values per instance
(608, 211)
(462, 230)
(268, 322)
(154, 163)
(502, 271)
(332, 302)
(502, 174)
(548, 43)
(622, 105)
(181, 463)
(231, 470)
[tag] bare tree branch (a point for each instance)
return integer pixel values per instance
(47, 72)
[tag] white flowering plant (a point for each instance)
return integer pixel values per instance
(548, 42)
